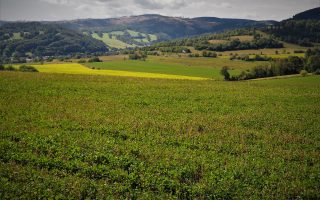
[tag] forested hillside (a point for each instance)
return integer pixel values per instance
(34, 39)
(302, 29)
(239, 39)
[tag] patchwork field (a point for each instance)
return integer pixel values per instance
(74, 68)
(199, 67)
(104, 137)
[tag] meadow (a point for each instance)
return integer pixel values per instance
(173, 64)
(110, 38)
(67, 136)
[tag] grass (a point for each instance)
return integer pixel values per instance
(199, 67)
(243, 38)
(100, 137)
(16, 36)
(74, 68)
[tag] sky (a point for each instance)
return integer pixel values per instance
(53, 10)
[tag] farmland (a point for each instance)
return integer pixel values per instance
(80, 136)
(199, 67)
(110, 38)
(74, 68)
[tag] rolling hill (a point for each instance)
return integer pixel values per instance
(309, 14)
(163, 27)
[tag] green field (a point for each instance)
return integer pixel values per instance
(110, 39)
(100, 137)
(112, 42)
(198, 67)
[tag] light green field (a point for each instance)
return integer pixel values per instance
(115, 43)
(16, 36)
(199, 67)
(112, 42)
(74, 68)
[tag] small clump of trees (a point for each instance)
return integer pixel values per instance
(22, 68)
(138, 55)
(209, 54)
(94, 59)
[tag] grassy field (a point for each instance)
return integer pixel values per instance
(100, 137)
(74, 68)
(112, 42)
(199, 67)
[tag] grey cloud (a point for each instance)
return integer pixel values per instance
(73, 9)
(163, 4)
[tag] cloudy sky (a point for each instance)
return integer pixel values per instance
(75, 9)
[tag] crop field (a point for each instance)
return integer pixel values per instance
(198, 67)
(103, 137)
(74, 68)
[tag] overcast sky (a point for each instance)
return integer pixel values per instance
(74, 9)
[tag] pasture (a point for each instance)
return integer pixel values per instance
(74, 68)
(103, 137)
(198, 67)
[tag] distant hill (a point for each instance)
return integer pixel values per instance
(144, 30)
(163, 27)
(309, 14)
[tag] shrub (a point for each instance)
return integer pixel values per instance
(27, 68)
(298, 51)
(138, 56)
(94, 59)
(209, 54)
(224, 72)
(1, 67)
(317, 72)
(303, 73)
(82, 61)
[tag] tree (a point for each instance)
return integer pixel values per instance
(313, 63)
(224, 72)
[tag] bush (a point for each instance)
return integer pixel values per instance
(224, 72)
(303, 73)
(298, 51)
(138, 56)
(27, 68)
(94, 59)
(209, 54)
(317, 72)
(1, 67)
(82, 61)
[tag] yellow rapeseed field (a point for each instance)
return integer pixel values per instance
(75, 68)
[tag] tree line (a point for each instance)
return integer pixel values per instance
(279, 67)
